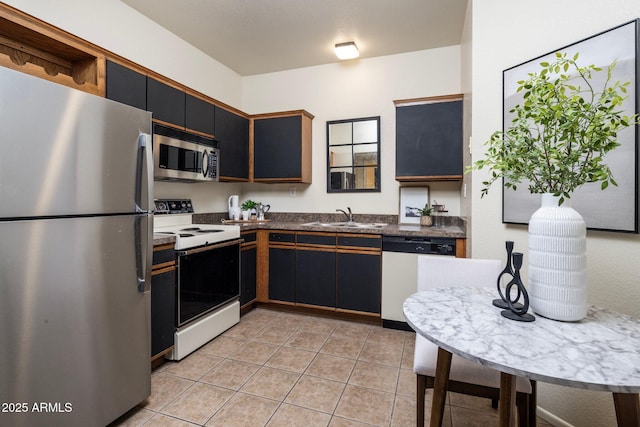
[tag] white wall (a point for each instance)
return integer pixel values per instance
(506, 33)
(120, 29)
(360, 88)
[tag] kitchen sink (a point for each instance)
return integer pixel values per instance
(346, 224)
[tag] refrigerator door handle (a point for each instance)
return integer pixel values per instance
(145, 164)
(144, 248)
(144, 252)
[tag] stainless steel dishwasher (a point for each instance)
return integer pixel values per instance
(399, 271)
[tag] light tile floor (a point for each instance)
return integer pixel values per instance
(282, 369)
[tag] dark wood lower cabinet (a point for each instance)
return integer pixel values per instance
(163, 310)
(248, 256)
(282, 274)
(338, 272)
(359, 278)
(316, 277)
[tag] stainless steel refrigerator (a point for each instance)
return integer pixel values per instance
(75, 255)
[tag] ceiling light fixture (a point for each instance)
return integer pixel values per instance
(347, 50)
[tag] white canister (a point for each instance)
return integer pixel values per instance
(234, 213)
(233, 205)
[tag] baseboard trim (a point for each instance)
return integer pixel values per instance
(395, 324)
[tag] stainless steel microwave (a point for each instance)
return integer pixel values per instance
(179, 156)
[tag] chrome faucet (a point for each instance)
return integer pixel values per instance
(348, 215)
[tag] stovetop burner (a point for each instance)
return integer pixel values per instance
(188, 234)
(198, 230)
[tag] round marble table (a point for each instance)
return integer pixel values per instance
(600, 352)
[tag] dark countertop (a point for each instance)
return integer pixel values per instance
(453, 231)
(162, 239)
(455, 227)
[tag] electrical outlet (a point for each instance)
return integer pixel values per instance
(292, 191)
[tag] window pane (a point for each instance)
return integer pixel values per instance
(340, 156)
(340, 133)
(366, 177)
(366, 131)
(342, 179)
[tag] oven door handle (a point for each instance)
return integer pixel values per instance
(208, 247)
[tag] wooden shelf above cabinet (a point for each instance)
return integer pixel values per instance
(37, 48)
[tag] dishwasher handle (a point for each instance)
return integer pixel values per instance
(419, 245)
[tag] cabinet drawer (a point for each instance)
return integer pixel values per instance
(374, 242)
(164, 257)
(316, 239)
(282, 237)
(248, 237)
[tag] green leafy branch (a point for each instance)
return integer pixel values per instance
(560, 131)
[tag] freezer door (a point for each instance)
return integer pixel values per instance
(66, 152)
(75, 340)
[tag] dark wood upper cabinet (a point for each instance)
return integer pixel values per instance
(429, 139)
(282, 147)
(199, 115)
(232, 134)
(166, 102)
(126, 85)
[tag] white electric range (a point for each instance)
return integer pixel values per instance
(208, 275)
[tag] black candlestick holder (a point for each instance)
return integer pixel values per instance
(514, 312)
(508, 270)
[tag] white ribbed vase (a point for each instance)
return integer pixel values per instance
(558, 261)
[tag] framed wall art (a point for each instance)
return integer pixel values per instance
(412, 199)
(616, 208)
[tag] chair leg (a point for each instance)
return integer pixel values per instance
(533, 404)
(441, 382)
(522, 406)
(421, 389)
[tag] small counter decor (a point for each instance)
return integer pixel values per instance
(566, 122)
(411, 198)
(508, 271)
(425, 216)
(248, 209)
(515, 310)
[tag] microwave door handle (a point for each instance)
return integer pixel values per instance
(205, 163)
